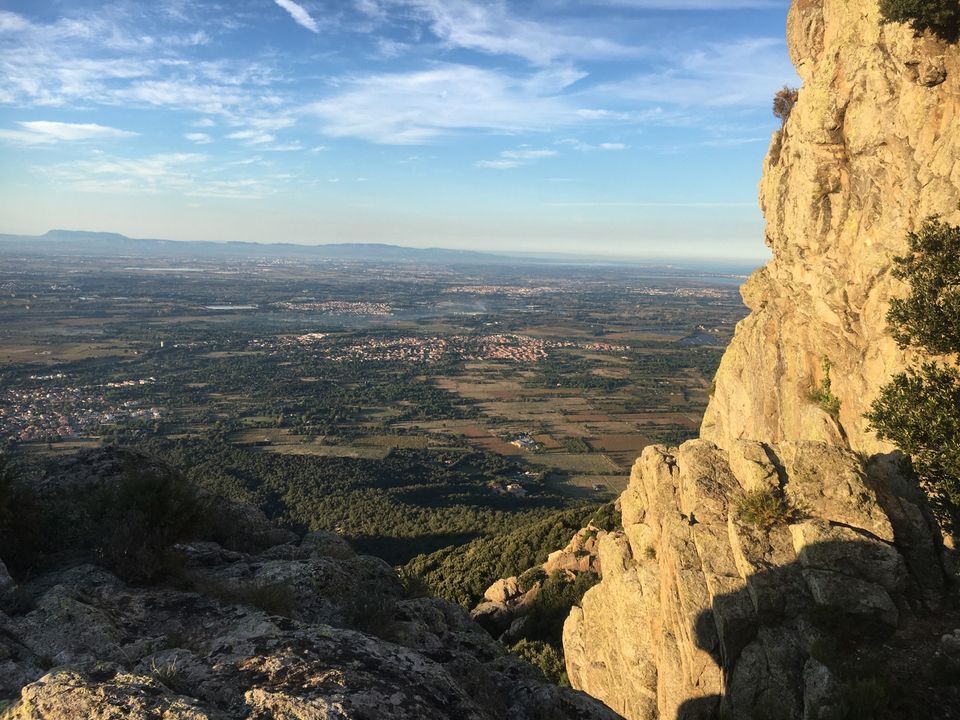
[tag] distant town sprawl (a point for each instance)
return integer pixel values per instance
(53, 411)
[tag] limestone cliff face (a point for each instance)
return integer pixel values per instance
(871, 149)
(701, 613)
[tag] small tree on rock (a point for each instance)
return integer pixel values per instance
(942, 17)
(783, 103)
(919, 410)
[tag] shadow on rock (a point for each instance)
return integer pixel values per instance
(857, 644)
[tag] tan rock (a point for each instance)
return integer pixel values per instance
(870, 150)
(69, 694)
(699, 613)
(503, 591)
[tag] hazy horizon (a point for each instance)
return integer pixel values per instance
(609, 128)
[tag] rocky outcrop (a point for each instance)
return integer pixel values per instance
(508, 601)
(869, 151)
(306, 630)
(262, 624)
(702, 612)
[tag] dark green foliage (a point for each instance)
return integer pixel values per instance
(461, 574)
(134, 522)
(552, 605)
(765, 508)
(19, 521)
(528, 578)
(576, 445)
(543, 656)
(929, 317)
(273, 598)
(128, 524)
(940, 16)
(408, 503)
(919, 412)
(607, 517)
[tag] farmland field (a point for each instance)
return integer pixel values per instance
(408, 407)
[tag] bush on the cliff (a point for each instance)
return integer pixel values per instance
(783, 103)
(940, 16)
(18, 521)
(823, 394)
(543, 656)
(765, 508)
(128, 524)
(929, 317)
(919, 410)
(137, 520)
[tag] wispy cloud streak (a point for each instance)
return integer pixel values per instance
(299, 15)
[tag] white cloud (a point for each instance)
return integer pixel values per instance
(252, 137)
(630, 204)
(199, 138)
(743, 73)
(528, 154)
(692, 4)
(189, 174)
(515, 158)
(490, 27)
(299, 14)
(581, 146)
(11, 22)
(418, 107)
(498, 164)
(150, 174)
(43, 132)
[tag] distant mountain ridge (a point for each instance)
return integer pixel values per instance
(88, 243)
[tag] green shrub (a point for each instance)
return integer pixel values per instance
(942, 17)
(273, 598)
(165, 673)
(929, 317)
(919, 410)
(765, 508)
(20, 537)
(128, 524)
(135, 521)
(528, 578)
(552, 605)
(544, 657)
(607, 517)
(865, 699)
(823, 394)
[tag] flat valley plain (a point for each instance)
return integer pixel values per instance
(409, 407)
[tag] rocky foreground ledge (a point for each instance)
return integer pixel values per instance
(303, 628)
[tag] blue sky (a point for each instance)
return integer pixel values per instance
(619, 127)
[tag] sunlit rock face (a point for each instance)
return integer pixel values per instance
(703, 612)
(869, 151)
(700, 613)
